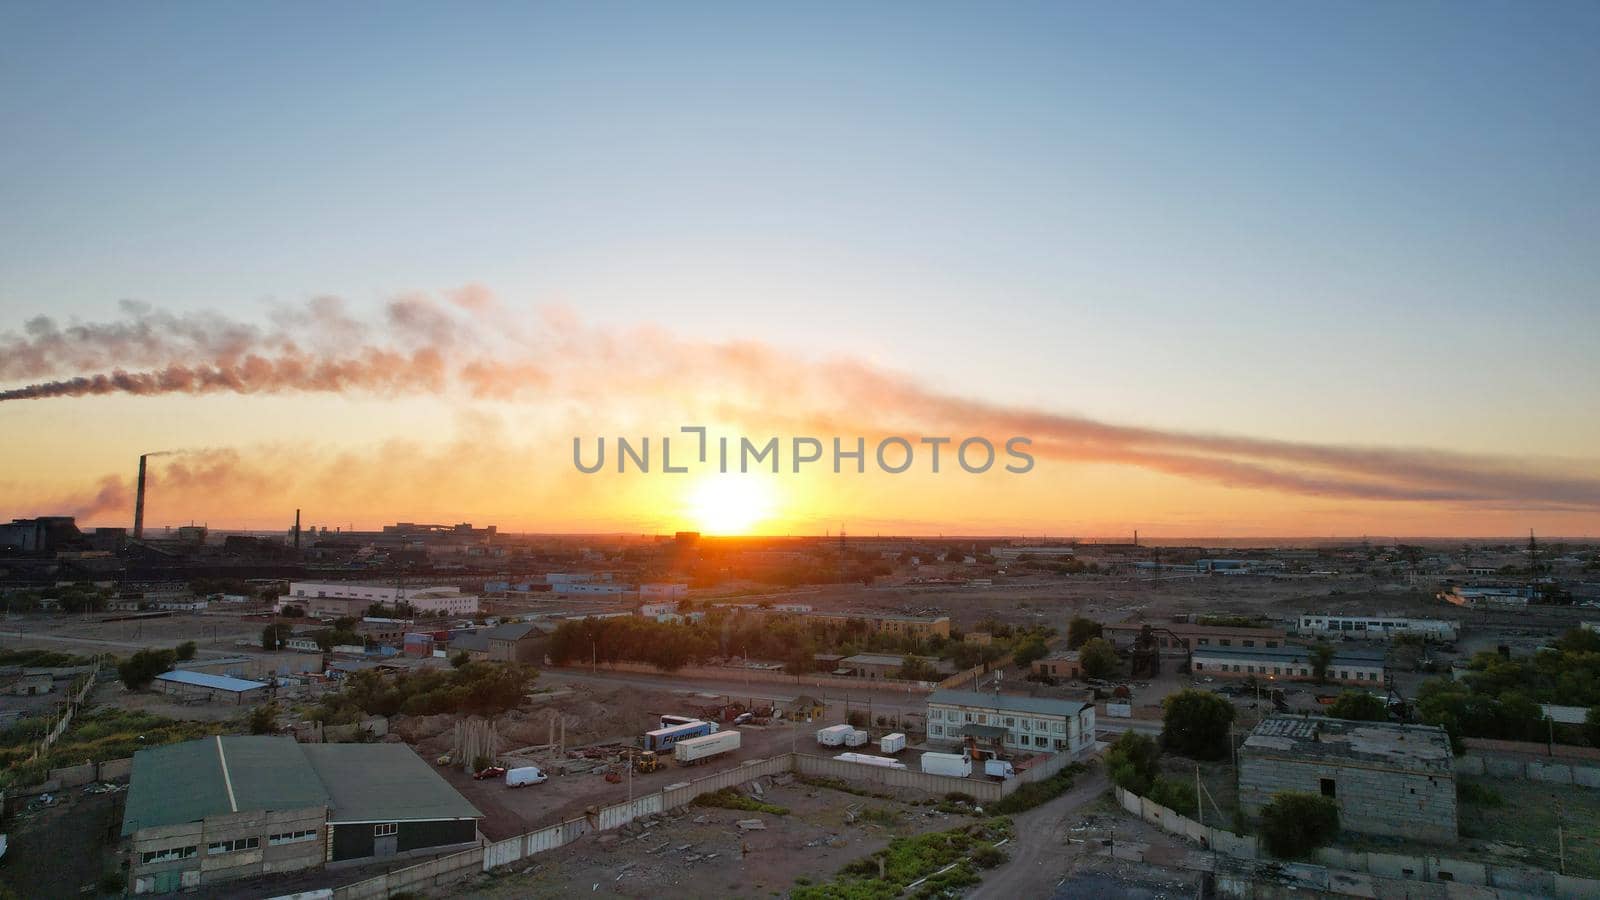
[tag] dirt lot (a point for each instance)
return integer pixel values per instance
(55, 850)
(700, 852)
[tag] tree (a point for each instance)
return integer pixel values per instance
(138, 670)
(1195, 724)
(1133, 762)
(1080, 630)
(1033, 648)
(185, 651)
(1321, 656)
(292, 612)
(273, 636)
(1295, 823)
(1360, 706)
(1591, 725)
(1098, 658)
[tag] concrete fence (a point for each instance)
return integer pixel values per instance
(1383, 865)
(981, 790)
(977, 671)
(1544, 769)
(435, 872)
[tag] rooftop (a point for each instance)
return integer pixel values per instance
(874, 659)
(207, 680)
(1350, 656)
(384, 783)
(1407, 746)
(1046, 706)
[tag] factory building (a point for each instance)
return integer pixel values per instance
(349, 598)
(1060, 664)
(222, 808)
(1180, 637)
(1388, 779)
(1018, 724)
(877, 623)
(1377, 627)
(1349, 666)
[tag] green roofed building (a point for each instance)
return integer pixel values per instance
(220, 808)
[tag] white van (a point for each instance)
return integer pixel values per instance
(524, 776)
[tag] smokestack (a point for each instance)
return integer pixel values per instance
(297, 529)
(138, 506)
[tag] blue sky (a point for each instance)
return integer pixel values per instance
(1360, 222)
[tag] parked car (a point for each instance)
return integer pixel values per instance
(490, 772)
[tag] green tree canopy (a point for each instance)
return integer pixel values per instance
(138, 670)
(1196, 724)
(1295, 823)
(1360, 706)
(1080, 630)
(1133, 762)
(1098, 658)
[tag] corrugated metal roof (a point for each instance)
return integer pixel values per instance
(216, 776)
(207, 680)
(1036, 705)
(384, 783)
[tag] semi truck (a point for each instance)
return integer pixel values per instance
(692, 751)
(867, 759)
(892, 743)
(833, 735)
(958, 765)
(662, 739)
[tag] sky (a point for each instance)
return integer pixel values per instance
(1356, 227)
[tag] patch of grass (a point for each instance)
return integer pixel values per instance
(42, 659)
(908, 859)
(728, 798)
(1528, 817)
(95, 736)
(1479, 794)
(1028, 796)
(878, 815)
(839, 784)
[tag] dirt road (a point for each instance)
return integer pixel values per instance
(1038, 852)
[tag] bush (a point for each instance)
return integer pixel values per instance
(1196, 724)
(1133, 762)
(1360, 706)
(1098, 658)
(1080, 630)
(185, 651)
(728, 798)
(988, 856)
(264, 719)
(1294, 823)
(1030, 795)
(1178, 796)
(114, 882)
(857, 718)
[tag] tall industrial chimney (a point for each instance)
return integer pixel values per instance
(138, 505)
(297, 529)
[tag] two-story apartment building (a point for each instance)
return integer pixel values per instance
(1016, 723)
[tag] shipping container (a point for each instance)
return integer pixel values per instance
(954, 764)
(855, 737)
(833, 735)
(690, 751)
(892, 743)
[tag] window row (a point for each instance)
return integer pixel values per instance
(169, 854)
(291, 837)
(249, 843)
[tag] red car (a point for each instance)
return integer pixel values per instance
(491, 772)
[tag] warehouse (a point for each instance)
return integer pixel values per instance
(1348, 666)
(205, 686)
(1388, 779)
(221, 808)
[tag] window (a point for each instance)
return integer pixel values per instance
(291, 837)
(169, 853)
(1328, 789)
(1226, 642)
(1203, 641)
(1061, 728)
(1198, 666)
(1272, 643)
(936, 729)
(233, 845)
(1011, 722)
(386, 829)
(1041, 742)
(1249, 643)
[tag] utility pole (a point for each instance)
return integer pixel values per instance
(1199, 801)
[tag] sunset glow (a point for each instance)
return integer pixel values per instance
(731, 504)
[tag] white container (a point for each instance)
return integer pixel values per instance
(998, 768)
(524, 776)
(892, 743)
(855, 737)
(866, 759)
(952, 764)
(693, 750)
(833, 735)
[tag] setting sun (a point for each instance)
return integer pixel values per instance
(730, 504)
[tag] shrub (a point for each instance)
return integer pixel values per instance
(1030, 795)
(1195, 724)
(1098, 658)
(1294, 823)
(1178, 796)
(1133, 762)
(184, 651)
(728, 798)
(988, 856)
(138, 670)
(1360, 706)
(1080, 630)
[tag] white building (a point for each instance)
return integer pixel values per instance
(1022, 724)
(1376, 626)
(1487, 597)
(348, 598)
(1349, 666)
(663, 591)
(657, 610)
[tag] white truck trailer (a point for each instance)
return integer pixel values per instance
(957, 765)
(833, 735)
(855, 737)
(892, 743)
(692, 751)
(867, 759)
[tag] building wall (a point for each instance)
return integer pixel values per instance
(1062, 734)
(1376, 626)
(1364, 673)
(356, 840)
(1058, 668)
(205, 867)
(1372, 800)
(215, 695)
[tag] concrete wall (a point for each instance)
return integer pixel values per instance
(1548, 770)
(981, 789)
(1372, 799)
(263, 859)
(433, 873)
